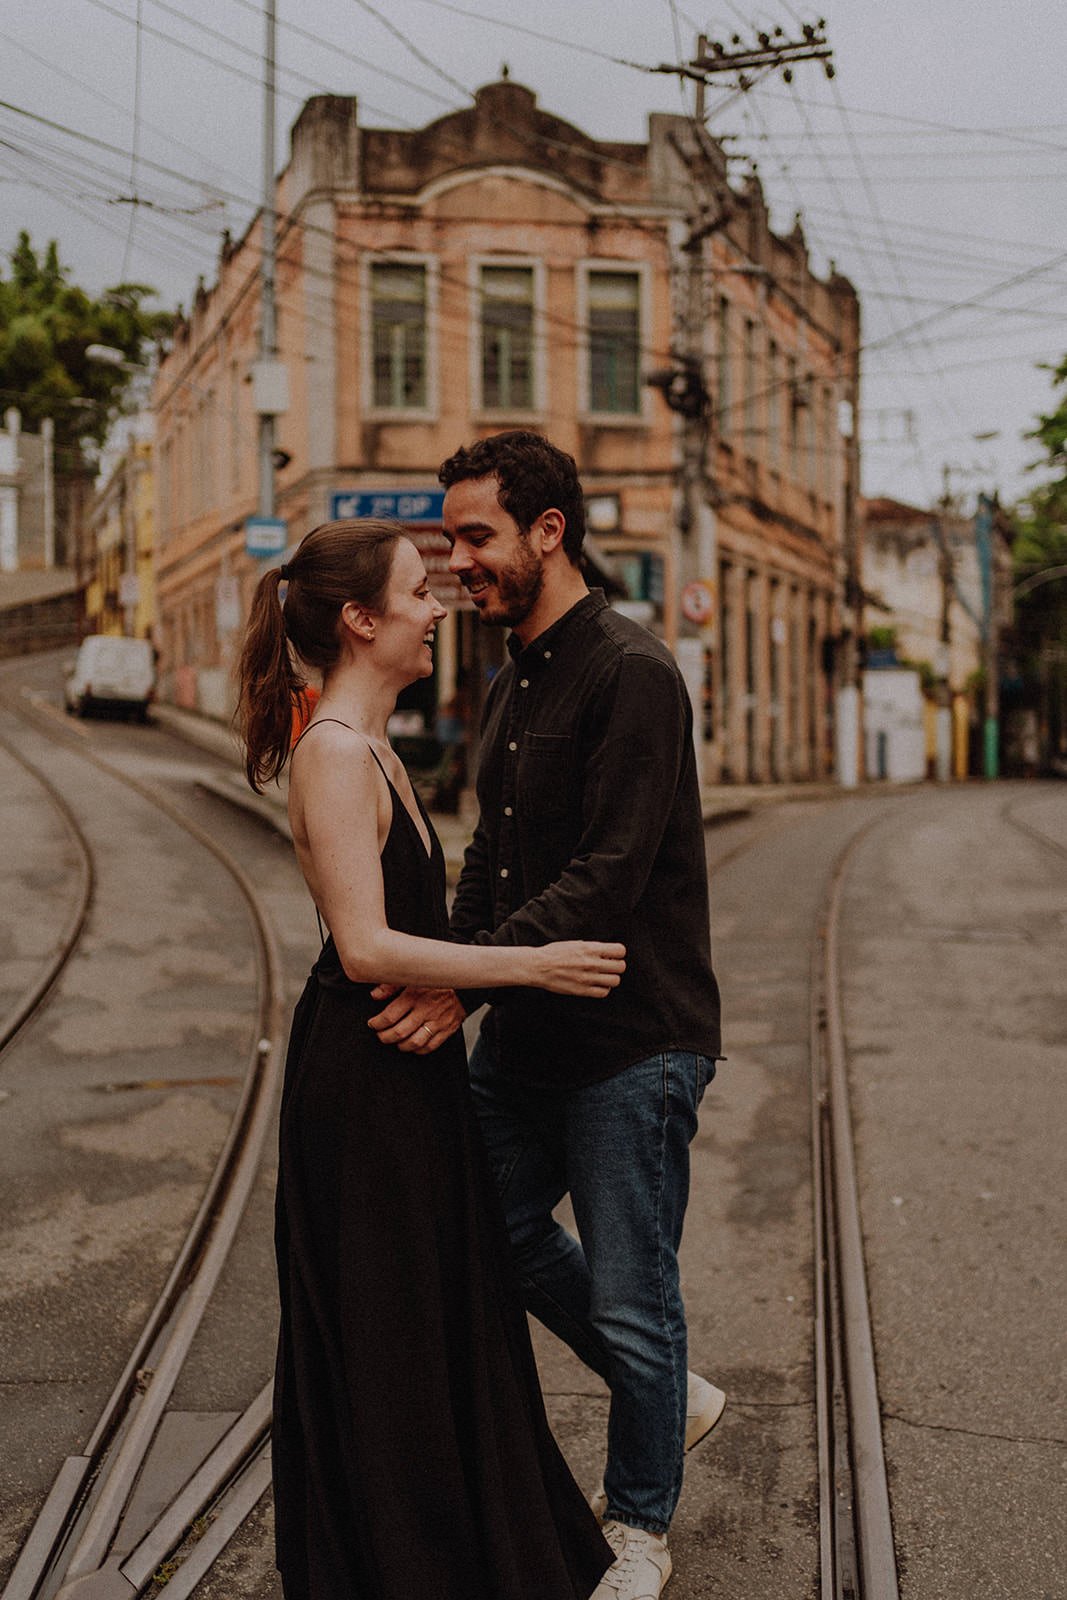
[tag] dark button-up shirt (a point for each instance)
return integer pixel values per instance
(590, 828)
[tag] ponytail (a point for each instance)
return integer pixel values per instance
(268, 683)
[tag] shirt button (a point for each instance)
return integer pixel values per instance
(508, 812)
(524, 683)
(512, 745)
(503, 872)
(548, 655)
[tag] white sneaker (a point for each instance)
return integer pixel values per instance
(704, 1405)
(641, 1567)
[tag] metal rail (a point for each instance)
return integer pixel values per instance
(1008, 812)
(857, 1549)
(69, 1544)
(33, 997)
(67, 1552)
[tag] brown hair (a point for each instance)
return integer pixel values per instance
(532, 476)
(334, 563)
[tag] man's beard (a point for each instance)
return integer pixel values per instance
(518, 589)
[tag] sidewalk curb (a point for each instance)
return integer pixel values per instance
(195, 728)
(219, 740)
(256, 805)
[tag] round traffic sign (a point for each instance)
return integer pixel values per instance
(698, 601)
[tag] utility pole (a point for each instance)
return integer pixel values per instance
(683, 384)
(984, 532)
(771, 52)
(943, 664)
(266, 535)
(848, 710)
(268, 324)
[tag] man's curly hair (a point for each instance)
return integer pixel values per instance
(534, 476)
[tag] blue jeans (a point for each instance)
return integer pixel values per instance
(621, 1149)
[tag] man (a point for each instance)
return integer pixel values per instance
(589, 826)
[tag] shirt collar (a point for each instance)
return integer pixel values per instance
(542, 648)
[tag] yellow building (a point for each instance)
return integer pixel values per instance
(120, 587)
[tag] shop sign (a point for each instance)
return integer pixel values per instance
(413, 506)
(265, 536)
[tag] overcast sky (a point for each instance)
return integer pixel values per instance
(932, 169)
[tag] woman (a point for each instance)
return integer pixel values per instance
(412, 1456)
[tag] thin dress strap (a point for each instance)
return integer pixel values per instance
(319, 720)
(316, 723)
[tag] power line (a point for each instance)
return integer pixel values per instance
(536, 33)
(872, 201)
(962, 305)
(413, 49)
(214, 61)
(135, 139)
(926, 122)
(347, 55)
(106, 100)
(381, 252)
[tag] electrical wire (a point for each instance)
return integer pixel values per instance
(97, 94)
(959, 305)
(345, 54)
(887, 240)
(536, 33)
(937, 127)
(412, 48)
(944, 129)
(656, 353)
(225, 66)
(134, 142)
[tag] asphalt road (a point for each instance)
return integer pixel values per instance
(117, 1098)
(956, 1008)
(953, 949)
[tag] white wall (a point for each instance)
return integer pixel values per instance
(893, 724)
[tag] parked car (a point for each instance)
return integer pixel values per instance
(112, 674)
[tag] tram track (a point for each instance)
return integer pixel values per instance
(69, 1552)
(70, 1549)
(856, 1558)
(857, 1555)
(35, 993)
(1009, 812)
(857, 1546)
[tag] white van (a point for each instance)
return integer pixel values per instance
(112, 673)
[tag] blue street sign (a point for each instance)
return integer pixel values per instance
(265, 536)
(402, 505)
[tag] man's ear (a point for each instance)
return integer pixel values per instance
(551, 526)
(357, 619)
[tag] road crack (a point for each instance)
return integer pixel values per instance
(973, 1433)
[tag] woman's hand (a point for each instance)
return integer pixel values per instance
(580, 966)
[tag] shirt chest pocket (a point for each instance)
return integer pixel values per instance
(544, 777)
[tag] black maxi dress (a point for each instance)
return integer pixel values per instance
(412, 1456)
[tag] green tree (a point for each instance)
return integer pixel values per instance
(46, 325)
(1040, 629)
(1041, 519)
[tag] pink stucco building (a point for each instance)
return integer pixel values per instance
(501, 268)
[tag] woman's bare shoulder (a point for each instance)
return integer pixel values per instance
(331, 746)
